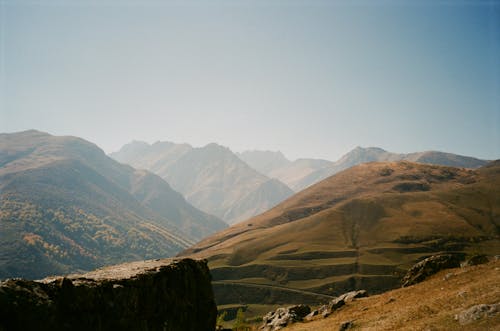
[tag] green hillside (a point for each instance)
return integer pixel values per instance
(66, 206)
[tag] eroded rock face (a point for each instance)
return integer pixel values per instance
(475, 260)
(161, 295)
(281, 317)
(430, 266)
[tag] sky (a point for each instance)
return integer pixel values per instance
(309, 78)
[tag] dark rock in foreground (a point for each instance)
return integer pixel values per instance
(162, 295)
(430, 266)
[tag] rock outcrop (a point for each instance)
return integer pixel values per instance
(477, 312)
(336, 303)
(475, 260)
(166, 295)
(281, 317)
(430, 266)
(346, 325)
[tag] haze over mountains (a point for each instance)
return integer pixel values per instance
(212, 177)
(66, 206)
(303, 173)
(359, 229)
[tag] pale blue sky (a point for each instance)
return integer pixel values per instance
(309, 78)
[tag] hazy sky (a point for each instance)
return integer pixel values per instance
(309, 78)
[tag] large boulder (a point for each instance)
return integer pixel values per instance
(282, 317)
(166, 295)
(430, 266)
(336, 303)
(350, 296)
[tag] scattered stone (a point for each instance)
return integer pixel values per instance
(430, 266)
(311, 315)
(475, 260)
(336, 303)
(281, 317)
(462, 294)
(390, 300)
(346, 325)
(448, 276)
(350, 296)
(477, 312)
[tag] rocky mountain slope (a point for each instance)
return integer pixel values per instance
(454, 299)
(359, 229)
(296, 174)
(66, 206)
(303, 173)
(212, 178)
(147, 295)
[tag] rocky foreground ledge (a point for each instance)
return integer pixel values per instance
(166, 295)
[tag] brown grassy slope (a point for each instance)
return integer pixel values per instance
(367, 183)
(430, 305)
(361, 228)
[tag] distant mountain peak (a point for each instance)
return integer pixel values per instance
(73, 188)
(216, 146)
(212, 178)
(368, 149)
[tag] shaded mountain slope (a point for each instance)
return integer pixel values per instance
(264, 161)
(275, 165)
(212, 178)
(361, 228)
(66, 206)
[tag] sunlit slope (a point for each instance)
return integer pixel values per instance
(361, 228)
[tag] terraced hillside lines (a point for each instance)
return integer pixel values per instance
(359, 229)
(230, 292)
(65, 206)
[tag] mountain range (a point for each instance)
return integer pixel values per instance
(303, 173)
(212, 178)
(361, 228)
(66, 206)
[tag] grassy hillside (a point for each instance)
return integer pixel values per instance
(66, 206)
(359, 229)
(431, 305)
(373, 154)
